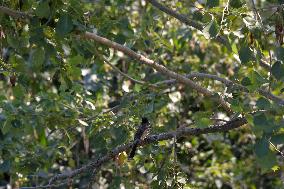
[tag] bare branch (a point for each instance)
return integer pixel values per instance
(276, 149)
(183, 131)
(13, 13)
(228, 83)
(178, 16)
(158, 67)
(49, 185)
(271, 96)
(202, 76)
(265, 65)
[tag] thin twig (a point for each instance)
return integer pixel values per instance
(223, 14)
(124, 74)
(257, 15)
(275, 148)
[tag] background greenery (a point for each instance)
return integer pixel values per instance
(62, 105)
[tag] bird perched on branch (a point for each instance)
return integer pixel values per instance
(141, 133)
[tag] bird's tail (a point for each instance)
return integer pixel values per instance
(133, 150)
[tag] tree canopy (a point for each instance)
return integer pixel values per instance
(78, 76)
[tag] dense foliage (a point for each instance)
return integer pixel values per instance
(67, 100)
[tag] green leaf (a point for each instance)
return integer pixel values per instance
(212, 3)
(5, 166)
(19, 92)
(263, 103)
(119, 135)
(246, 81)
(74, 72)
(278, 139)
(119, 38)
(64, 25)
(261, 123)
(235, 105)
(261, 147)
(203, 122)
(279, 52)
(277, 70)
(37, 60)
(6, 127)
(260, 120)
(267, 162)
(259, 78)
(211, 30)
(202, 119)
(43, 10)
(245, 54)
(149, 108)
(16, 123)
(76, 60)
(236, 3)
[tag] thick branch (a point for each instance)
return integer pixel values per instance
(178, 16)
(183, 131)
(158, 67)
(13, 13)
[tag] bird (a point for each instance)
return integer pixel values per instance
(141, 133)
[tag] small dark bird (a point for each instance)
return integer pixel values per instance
(141, 133)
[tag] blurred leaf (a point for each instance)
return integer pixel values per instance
(263, 103)
(37, 61)
(43, 10)
(212, 3)
(261, 123)
(267, 162)
(277, 70)
(211, 30)
(245, 54)
(76, 60)
(236, 3)
(246, 81)
(261, 147)
(19, 92)
(119, 134)
(279, 52)
(5, 166)
(278, 139)
(64, 25)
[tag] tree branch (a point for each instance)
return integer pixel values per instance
(202, 76)
(178, 16)
(13, 13)
(158, 67)
(124, 74)
(182, 131)
(228, 83)
(188, 22)
(49, 185)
